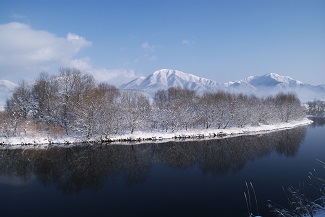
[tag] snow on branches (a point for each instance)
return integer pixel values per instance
(71, 103)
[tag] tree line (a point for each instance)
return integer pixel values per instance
(316, 108)
(72, 103)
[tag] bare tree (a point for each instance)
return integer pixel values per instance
(4, 124)
(45, 93)
(316, 108)
(19, 106)
(135, 110)
(74, 104)
(288, 106)
(73, 88)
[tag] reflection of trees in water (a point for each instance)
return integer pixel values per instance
(178, 154)
(89, 167)
(317, 121)
(287, 141)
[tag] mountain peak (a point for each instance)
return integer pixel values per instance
(166, 78)
(279, 78)
(172, 73)
(166, 71)
(271, 79)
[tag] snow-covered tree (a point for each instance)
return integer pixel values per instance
(74, 88)
(45, 93)
(316, 108)
(108, 120)
(288, 107)
(175, 108)
(135, 110)
(4, 124)
(19, 106)
(72, 103)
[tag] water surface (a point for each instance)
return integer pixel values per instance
(190, 178)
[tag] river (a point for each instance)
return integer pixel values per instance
(180, 178)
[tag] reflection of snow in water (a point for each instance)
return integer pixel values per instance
(42, 142)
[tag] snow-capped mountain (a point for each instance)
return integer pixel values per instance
(263, 85)
(6, 88)
(273, 83)
(166, 78)
(270, 80)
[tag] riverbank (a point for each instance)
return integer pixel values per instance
(43, 141)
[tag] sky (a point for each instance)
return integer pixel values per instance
(119, 40)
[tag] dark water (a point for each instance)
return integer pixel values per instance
(196, 178)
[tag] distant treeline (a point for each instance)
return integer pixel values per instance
(316, 108)
(71, 103)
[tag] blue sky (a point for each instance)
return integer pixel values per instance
(119, 40)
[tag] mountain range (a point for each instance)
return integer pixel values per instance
(166, 78)
(263, 85)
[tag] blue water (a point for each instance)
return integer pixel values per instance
(193, 178)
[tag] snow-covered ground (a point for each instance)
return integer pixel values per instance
(43, 141)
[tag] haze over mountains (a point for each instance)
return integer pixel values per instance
(6, 88)
(267, 84)
(263, 85)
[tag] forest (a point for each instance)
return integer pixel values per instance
(73, 103)
(316, 108)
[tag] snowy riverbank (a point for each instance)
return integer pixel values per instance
(43, 141)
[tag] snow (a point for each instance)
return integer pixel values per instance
(166, 78)
(44, 141)
(268, 80)
(260, 85)
(207, 132)
(275, 83)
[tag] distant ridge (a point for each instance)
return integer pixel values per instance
(273, 83)
(262, 85)
(267, 84)
(166, 78)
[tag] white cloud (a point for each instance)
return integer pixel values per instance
(25, 51)
(112, 76)
(17, 16)
(148, 47)
(187, 41)
(145, 45)
(153, 58)
(83, 64)
(77, 41)
(150, 57)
